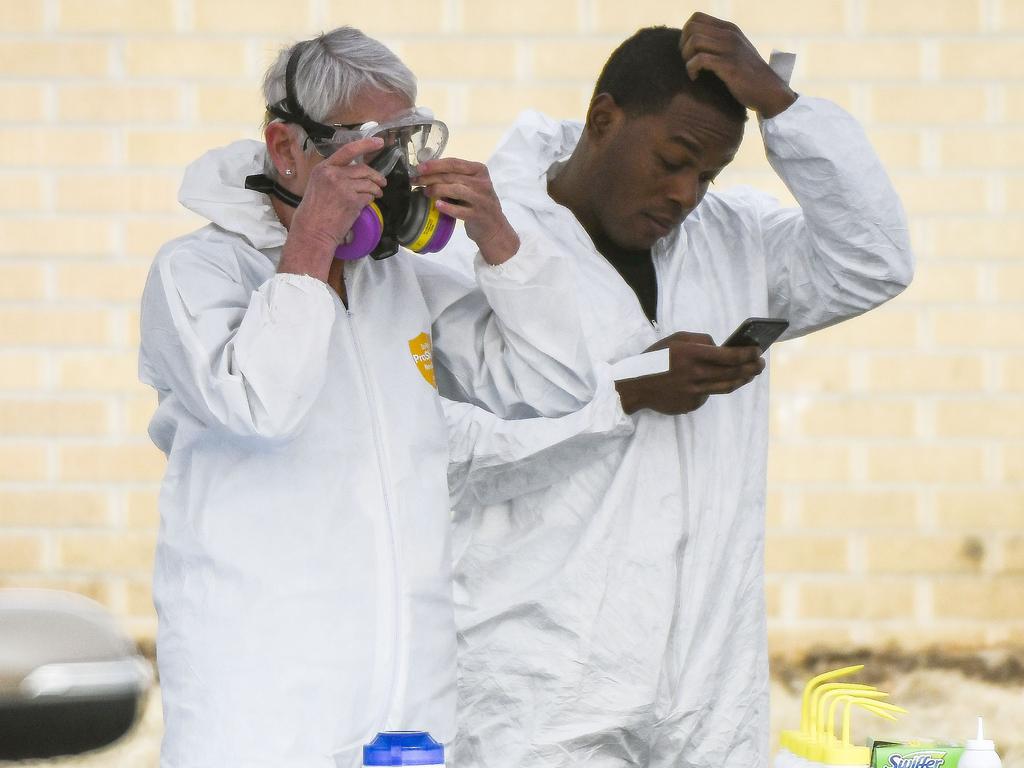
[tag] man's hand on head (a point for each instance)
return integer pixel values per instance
(697, 370)
(721, 47)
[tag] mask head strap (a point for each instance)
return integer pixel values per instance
(259, 182)
(289, 110)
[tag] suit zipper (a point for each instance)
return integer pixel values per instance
(656, 259)
(385, 480)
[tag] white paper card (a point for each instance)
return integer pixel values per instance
(644, 364)
(782, 63)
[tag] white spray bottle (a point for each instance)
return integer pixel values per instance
(980, 752)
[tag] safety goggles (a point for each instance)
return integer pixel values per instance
(414, 131)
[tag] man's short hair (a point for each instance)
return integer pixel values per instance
(646, 72)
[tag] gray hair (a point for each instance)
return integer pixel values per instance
(332, 71)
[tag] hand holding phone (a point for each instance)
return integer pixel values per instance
(697, 369)
(757, 332)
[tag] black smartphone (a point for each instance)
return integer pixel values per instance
(757, 332)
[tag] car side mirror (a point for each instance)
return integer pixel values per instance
(70, 680)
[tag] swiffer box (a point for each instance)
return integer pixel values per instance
(915, 754)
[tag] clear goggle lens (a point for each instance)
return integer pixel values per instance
(416, 133)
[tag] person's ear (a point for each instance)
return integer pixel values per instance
(285, 150)
(603, 117)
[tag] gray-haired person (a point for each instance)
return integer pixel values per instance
(302, 577)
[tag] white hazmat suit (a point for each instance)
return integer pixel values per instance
(617, 617)
(302, 575)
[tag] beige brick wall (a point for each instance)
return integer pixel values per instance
(896, 504)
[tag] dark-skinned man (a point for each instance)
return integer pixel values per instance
(617, 618)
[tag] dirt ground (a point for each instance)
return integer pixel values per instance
(944, 694)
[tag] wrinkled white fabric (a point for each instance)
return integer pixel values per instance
(302, 575)
(617, 617)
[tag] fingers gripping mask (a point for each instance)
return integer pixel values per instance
(401, 216)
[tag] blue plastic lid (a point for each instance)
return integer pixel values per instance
(403, 748)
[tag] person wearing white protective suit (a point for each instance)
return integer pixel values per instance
(616, 618)
(302, 576)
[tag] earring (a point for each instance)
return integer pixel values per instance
(288, 171)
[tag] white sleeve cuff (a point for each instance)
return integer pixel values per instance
(521, 268)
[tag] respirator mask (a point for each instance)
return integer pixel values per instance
(403, 215)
